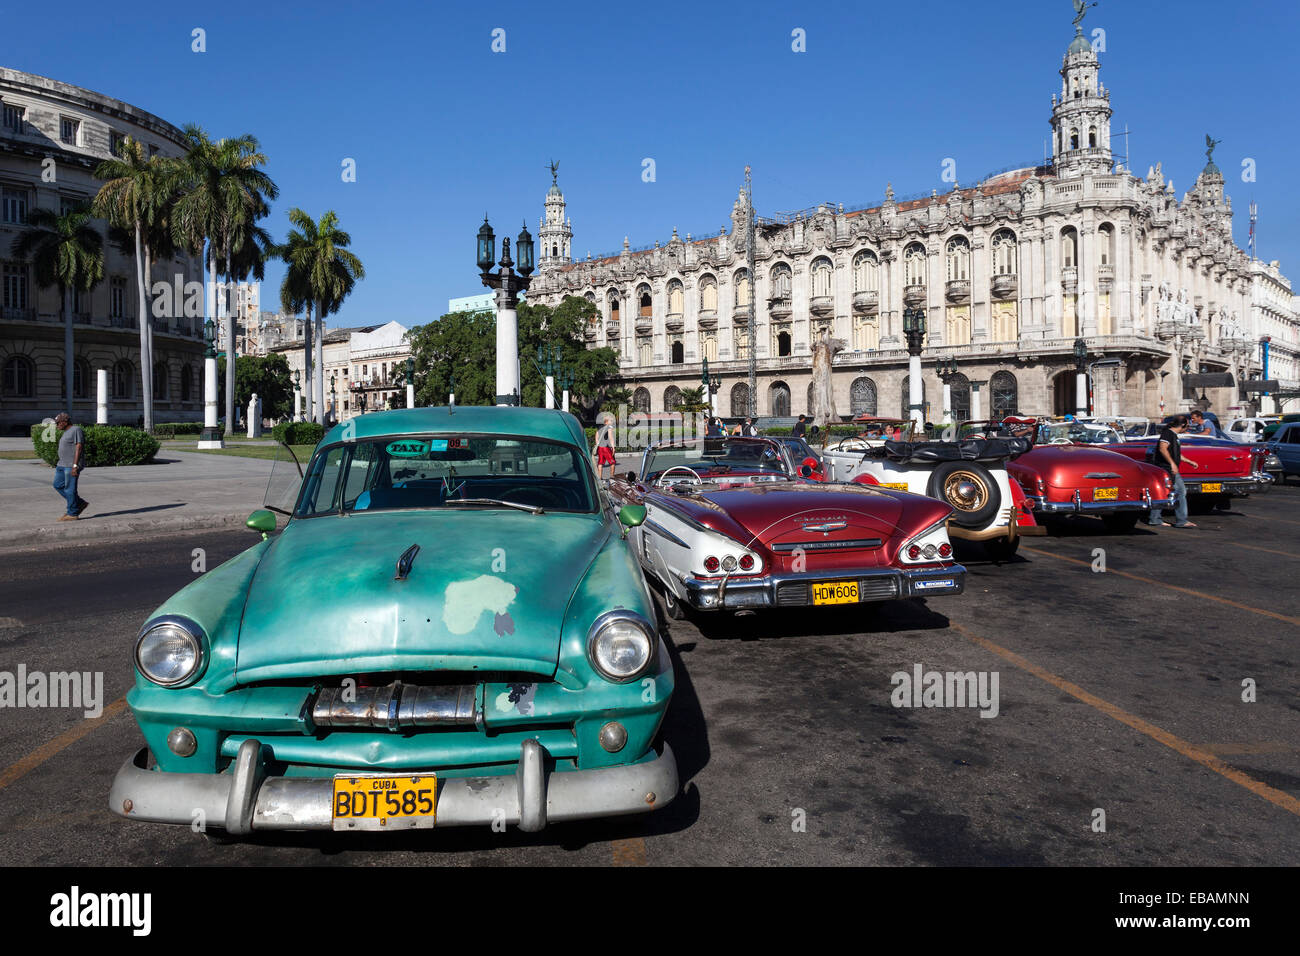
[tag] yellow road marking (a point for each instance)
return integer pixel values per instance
(1191, 751)
(1170, 587)
(629, 852)
(1246, 750)
(1252, 547)
(66, 739)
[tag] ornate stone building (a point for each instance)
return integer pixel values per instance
(1010, 272)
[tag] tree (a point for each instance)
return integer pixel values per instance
(134, 197)
(322, 272)
(222, 192)
(68, 252)
(266, 376)
(691, 400)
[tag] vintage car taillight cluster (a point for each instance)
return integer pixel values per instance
(916, 552)
(729, 563)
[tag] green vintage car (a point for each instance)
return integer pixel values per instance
(450, 630)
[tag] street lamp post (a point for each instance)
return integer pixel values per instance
(946, 369)
(508, 284)
(410, 383)
(334, 397)
(451, 388)
(211, 435)
(711, 385)
(548, 360)
(1081, 377)
(914, 330)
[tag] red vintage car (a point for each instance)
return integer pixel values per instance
(732, 523)
(1213, 472)
(1064, 473)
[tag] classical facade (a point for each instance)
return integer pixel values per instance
(1010, 272)
(365, 367)
(1275, 310)
(52, 136)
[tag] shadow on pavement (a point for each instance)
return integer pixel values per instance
(133, 511)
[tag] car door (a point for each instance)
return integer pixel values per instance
(1286, 445)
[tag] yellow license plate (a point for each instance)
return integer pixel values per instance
(1213, 489)
(1105, 494)
(835, 592)
(385, 802)
(896, 485)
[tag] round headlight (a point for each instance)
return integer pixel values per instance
(621, 646)
(170, 651)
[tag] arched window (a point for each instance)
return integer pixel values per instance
(160, 381)
(1069, 247)
(782, 280)
(778, 399)
(1004, 395)
(866, 272)
(783, 343)
(1106, 244)
(957, 254)
(675, 297)
(739, 400)
(708, 294)
(677, 352)
(709, 345)
(555, 250)
(641, 400)
(907, 399)
(19, 378)
(644, 302)
(1004, 253)
(959, 388)
(1092, 136)
(613, 307)
(914, 264)
(1074, 133)
(822, 274)
(123, 380)
(80, 376)
(672, 398)
(809, 407)
(742, 288)
(187, 384)
(862, 397)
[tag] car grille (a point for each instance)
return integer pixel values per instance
(799, 593)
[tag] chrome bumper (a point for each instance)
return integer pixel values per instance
(245, 799)
(1077, 505)
(794, 590)
(1257, 482)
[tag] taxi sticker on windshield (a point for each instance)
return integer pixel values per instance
(411, 448)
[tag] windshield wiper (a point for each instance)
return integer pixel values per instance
(534, 509)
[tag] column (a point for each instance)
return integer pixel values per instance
(101, 397)
(211, 436)
(507, 350)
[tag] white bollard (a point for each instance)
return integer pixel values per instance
(211, 437)
(410, 396)
(550, 391)
(565, 404)
(101, 397)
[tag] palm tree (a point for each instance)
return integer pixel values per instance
(68, 252)
(222, 193)
(134, 197)
(692, 400)
(322, 273)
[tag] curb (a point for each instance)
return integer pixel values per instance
(77, 534)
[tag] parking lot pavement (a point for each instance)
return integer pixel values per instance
(1145, 715)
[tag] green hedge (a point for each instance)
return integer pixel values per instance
(298, 433)
(172, 429)
(834, 430)
(106, 445)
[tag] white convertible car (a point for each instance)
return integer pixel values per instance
(968, 473)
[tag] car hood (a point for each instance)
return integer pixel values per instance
(487, 591)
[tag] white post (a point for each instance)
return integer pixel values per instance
(297, 404)
(947, 400)
(451, 398)
(254, 417)
(211, 437)
(101, 397)
(914, 390)
(976, 413)
(565, 405)
(708, 399)
(507, 352)
(550, 391)
(410, 396)
(1081, 393)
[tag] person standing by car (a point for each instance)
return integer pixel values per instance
(605, 447)
(799, 427)
(1205, 426)
(1168, 455)
(72, 458)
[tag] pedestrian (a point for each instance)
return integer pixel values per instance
(715, 429)
(799, 427)
(605, 447)
(1205, 425)
(749, 428)
(71, 461)
(1168, 454)
(737, 429)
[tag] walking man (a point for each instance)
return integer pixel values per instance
(605, 447)
(72, 457)
(800, 427)
(1169, 456)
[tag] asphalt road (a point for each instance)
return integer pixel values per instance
(1119, 691)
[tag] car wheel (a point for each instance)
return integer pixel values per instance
(970, 489)
(673, 608)
(1120, 523)
(1000, 549)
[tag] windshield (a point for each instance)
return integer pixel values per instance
(1078, 432)
(714, 457)
(428, 471)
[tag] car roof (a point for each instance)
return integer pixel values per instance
(544, 423)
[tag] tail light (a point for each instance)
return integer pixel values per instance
(711, 564)
(914, 552)
(945, 550)
(729, 563)
(746, 562)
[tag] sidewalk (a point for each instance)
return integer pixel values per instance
(181, 490)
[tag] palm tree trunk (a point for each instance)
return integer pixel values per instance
(67, 348)
(319, 385)
(308, 411)
(146, 358)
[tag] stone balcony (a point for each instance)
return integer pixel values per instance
(1004, 286)
(1070, 279)
(957, 291)
(867, 302)
(780, 308)
(1105, 277)
(674, 322)
(913, 295)
(645, 324)
(708, 319)
(821, 305)
(611, 330)
(740, 315)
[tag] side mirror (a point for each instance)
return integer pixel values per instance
(631, 516)
(261, 520)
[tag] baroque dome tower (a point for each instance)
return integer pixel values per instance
(1081, 116)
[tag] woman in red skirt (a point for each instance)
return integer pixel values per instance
(605, 447)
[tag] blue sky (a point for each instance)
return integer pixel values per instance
(443, 129)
